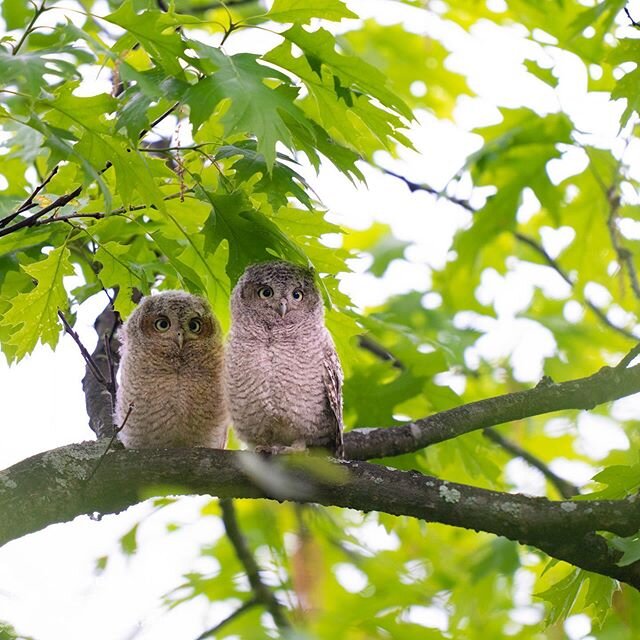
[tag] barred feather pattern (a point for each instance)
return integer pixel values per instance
(284, 379)
(175, 386)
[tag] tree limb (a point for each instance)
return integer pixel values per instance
(584, 393)
(54, 486)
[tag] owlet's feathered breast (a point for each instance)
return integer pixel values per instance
(283, 375)
(172, 371)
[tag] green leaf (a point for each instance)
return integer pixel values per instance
(301, 11)
(278, 181)
(351, 72)
(258, 95)
(630, 548)
(151, 29)
(116, 270)
(252, 237)
(34, 315)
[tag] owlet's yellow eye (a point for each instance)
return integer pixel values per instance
(162, 324)
(195, 325)
(265, 292)
(297, 295)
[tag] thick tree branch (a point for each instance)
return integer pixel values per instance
(584, 393)
(54, 486)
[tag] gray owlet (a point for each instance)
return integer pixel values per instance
(172, 372)
(283, 375)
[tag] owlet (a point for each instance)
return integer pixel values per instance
(172, 372)
(283, 376)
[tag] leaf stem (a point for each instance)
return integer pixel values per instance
(38, 12)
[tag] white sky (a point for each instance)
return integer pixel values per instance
(43, 406)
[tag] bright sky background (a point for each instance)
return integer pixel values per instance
(48, 587)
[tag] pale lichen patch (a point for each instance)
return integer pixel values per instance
(511, 508)
(7, 482)
(449, 494)
(568, 506)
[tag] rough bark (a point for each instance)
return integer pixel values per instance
(51, 487)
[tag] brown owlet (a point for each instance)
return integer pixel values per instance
(172, 372)
(284, 379)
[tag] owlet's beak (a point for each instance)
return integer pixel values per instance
(282, 309)
(179, 338)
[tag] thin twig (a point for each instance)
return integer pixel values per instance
(110, 443)
(633, 22)
(601, 315)
(38, 12)
(415, 186)
(85, 354)
(262, 593)
(65, 199)
(625, 257)
(238, 612)
(565, 489)
(367, 343)
(28, 203)
(626, 361)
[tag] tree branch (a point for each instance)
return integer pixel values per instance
(210, 633)
(584, 393)
(564, 488)
(625, 256)
(53, 485)
(263, 594)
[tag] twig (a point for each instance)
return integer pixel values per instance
(415, 186)
(367, 343)
(110, 443)
(538, 248)
(28, 203)
(625, 257)
(262, 593)
(626, 361)
(38, 12)
(65, 199)
(633, 22)
(85, 354)
(238, 612)
(565, 489)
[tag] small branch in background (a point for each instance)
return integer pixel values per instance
(565, 489)
(626, 361)
(28, 203)
(538, 248)
(633, 22)
(91, 365)
(61, 201)
(625, 257)
(367, 343)
(249, 604)
(262, 593)
(415, 186)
